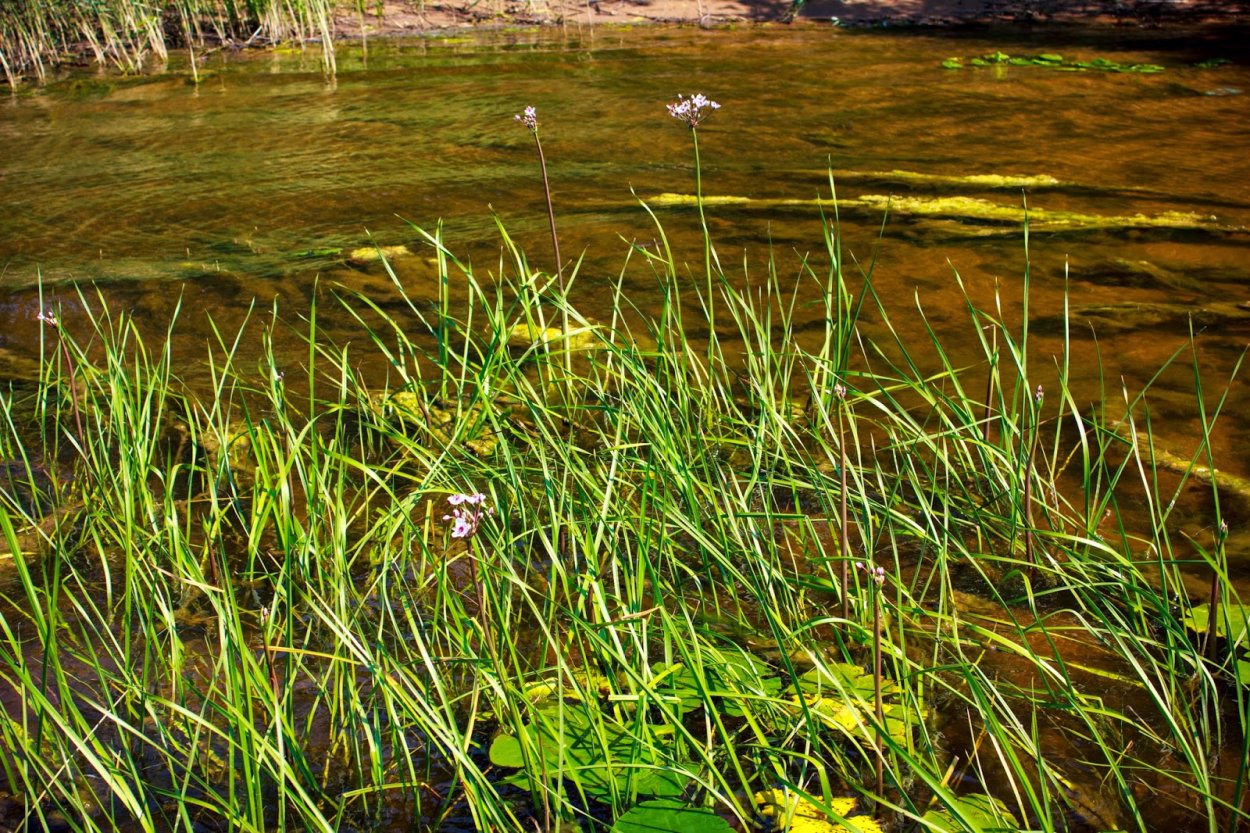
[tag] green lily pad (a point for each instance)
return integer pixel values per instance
(973, 812)
(665, 814)
(732, 679)
(676, 685)
(841, 697)
(784, 810)
(1232, 622)
(602, 756)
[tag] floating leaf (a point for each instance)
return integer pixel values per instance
(676, 684)
(583, 685)
(505, 750)
(841, 697)
(973, 812)
(329, 251)
(369, 254)
(662, 815)
(600, 754)
(744, 677)
(843, 676)
(1232, 622)
(789, 811)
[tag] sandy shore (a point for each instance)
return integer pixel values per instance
(398, 17)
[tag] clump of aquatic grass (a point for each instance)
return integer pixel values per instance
(38, 36)
(247, 610)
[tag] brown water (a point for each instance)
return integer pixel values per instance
(221, 193)
(160, 190)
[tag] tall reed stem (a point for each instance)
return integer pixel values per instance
(1030, 555)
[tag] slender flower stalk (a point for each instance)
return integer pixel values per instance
(49, 319)
(692, 112)
(467, 513)
(876, 578)
(1030, 556)
(1213, 601)
(844, 542)
(529, 119)
(989, 386)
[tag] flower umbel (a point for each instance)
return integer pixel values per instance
(875, 573)
(529, 118)
(692, 110)
(467, 514)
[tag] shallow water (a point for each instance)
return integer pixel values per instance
(212, 196)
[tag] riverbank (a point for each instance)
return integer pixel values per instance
(399, 17)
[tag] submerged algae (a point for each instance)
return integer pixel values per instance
(1012, 182)
(969, 209)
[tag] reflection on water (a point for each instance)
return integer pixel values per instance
(239, 189)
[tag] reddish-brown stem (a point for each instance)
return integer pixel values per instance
(876, 675)
(551, 212)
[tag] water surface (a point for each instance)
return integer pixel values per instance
(215, 195)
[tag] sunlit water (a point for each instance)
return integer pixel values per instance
(165, 194)
(212, 196)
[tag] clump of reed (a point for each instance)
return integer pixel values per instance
(38, 36)
(539, 571)
(242, 607)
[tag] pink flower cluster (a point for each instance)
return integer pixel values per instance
(875, 573)
(692, 110)
(467, 514)
(529, 118)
